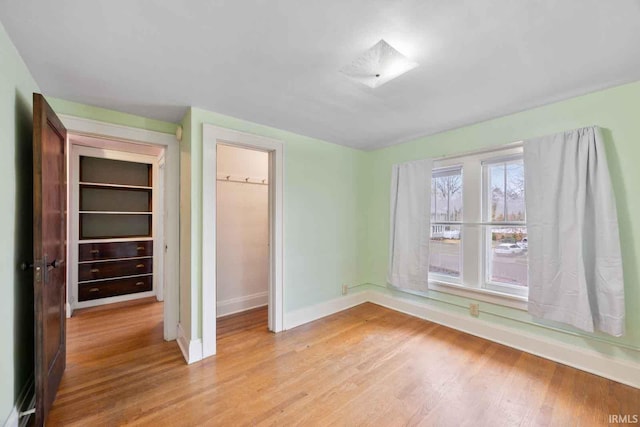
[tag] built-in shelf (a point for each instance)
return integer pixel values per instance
(115, 226)
(94, 261)
(117, 239)
(111, 278)
(114, 186)
(115, 213)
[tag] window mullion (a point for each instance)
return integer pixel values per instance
(435, 202)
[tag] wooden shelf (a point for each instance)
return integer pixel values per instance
(111, 278)
(96, 261)
(114, 186)
(115, 213)
(116, 239)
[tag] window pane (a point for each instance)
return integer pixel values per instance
(445, 255)
(506, 191)
(496, 192)
(515, 191)
(446, 195)
(507, 258)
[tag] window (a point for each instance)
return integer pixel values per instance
(478, 225)
(446, 216)
(506, 237)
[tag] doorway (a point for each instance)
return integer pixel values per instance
(242, 235)
(51, 239)
(214, 138)
(101, 142)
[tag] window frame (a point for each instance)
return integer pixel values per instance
(473, 277)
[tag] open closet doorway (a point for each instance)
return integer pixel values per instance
(213, 139)
(242, 239)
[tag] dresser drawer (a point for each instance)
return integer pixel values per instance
(98, 251)
(107, 269)
(110, 288)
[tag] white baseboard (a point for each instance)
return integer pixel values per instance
(616, 369)
(26, 400)
(236, 305)
(309, 314)
(622, 371)
(191, 349)
(111, 300)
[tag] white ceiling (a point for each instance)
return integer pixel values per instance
(277, 62)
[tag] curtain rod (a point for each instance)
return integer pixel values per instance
(492, 149)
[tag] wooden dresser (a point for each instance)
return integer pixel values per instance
(116, 268)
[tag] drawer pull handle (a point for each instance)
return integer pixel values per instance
(139, 283)
(95, 251)
(140, 248)
(140, 266)
(95, 270)
(94, 290)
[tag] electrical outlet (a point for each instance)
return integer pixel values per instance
(474, 309)
(345, 289)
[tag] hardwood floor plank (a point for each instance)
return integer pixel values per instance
(364, 366)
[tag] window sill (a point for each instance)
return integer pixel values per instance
(485, 295)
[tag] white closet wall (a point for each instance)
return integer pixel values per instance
(242, 230)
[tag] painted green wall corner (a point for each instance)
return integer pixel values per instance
(62, 106)
(615, 110)
(185, 228)
(16, 226)
(321, 211)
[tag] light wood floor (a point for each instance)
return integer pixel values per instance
(364, 366)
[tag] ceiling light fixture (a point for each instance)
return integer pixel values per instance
(378, 65)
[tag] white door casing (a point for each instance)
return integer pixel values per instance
(212, 136)
(170, 225)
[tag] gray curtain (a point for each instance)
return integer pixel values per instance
(575, 263)
(410, 225)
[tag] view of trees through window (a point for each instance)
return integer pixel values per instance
(506, 184)
(446, 207)
(507, 257)
(493, 237)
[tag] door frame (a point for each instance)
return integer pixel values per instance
(77, 126)
(211, 137)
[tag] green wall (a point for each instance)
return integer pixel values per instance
(62, 106)
(616, 110)
(16, 286)
(321, 212)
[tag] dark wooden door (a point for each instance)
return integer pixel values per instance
(49, 251)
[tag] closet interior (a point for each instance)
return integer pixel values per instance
(242, 236)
